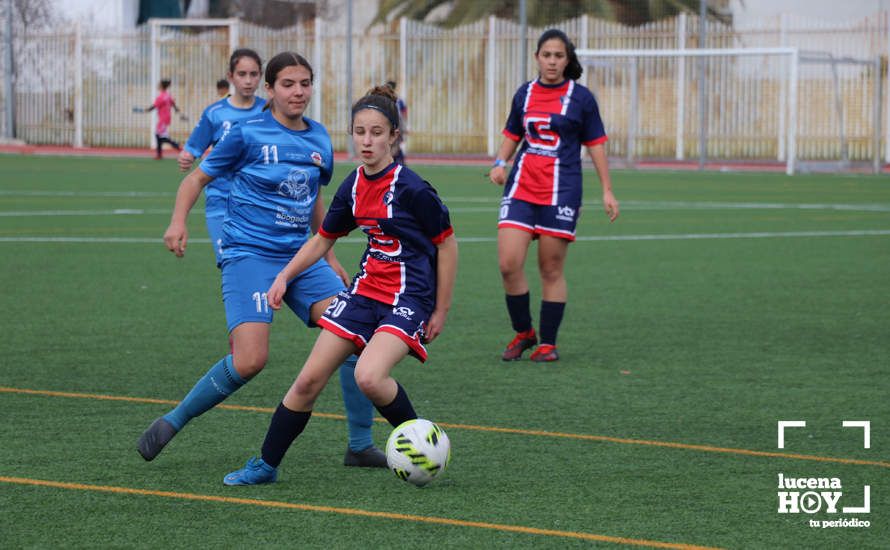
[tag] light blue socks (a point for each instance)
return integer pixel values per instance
(359, 409)
(212, 389)
(222, 380)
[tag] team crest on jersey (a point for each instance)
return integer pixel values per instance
(316, 158)
(296, 186)
(387, 198)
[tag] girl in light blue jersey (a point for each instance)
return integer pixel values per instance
(278, 161)
(245, 69)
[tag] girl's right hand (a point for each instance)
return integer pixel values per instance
(276, 292)
(498, 175)
(185, 160)
(176, 237)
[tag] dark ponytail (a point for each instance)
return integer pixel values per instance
(573, 69)
(381, 99)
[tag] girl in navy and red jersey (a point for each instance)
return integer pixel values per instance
(397, 302)
(552, 116)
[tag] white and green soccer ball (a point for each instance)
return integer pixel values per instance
(418, 451)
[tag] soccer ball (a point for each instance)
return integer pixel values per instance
(418, 451)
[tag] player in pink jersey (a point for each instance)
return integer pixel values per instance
(552, 117)
(164, 102)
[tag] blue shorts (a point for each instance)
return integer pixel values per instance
(357, 318)
(539, 219)
(245, 280)
(214, 231)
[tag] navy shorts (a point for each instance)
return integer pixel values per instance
(357, 318)
(245, 280)
(539, 219)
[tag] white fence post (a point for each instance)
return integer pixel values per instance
(681, 87)
(317, 87)
(155, 76)
(887, 88)
(489, 85)
(783, 90)
(792, 114)
(404, 81)
(632, 120)
(234, 34)
(876, 148)
(78, 85)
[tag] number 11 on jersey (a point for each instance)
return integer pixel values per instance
(267, 150)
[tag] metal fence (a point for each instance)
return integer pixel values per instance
(78, 85)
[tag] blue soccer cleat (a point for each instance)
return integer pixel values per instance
(255, 472)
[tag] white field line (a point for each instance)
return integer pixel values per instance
(492, 207)
(492, 202)
(42, 193)
(591, 238)
(112, 212)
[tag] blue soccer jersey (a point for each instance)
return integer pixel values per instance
(553, 121)
(277, 173)
(404, 220)
(216, 119)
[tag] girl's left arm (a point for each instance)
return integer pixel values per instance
(601, 163)
(446, 273)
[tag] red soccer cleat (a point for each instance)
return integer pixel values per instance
(545, 354)
(521, 342)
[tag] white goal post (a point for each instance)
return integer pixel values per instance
(157, 26)
(787, 94)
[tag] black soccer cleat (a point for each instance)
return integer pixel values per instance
(153, 440)
(372, 457)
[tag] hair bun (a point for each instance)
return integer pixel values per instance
(384, 91)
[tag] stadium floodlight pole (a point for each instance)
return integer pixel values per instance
(349, 145)
(702, 85)
(9, 85)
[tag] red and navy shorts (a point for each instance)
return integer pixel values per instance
(539, 219)
(357, 318)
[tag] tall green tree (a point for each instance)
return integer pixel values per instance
(545, 12)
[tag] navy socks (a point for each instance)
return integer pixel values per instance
(551, 318)
(520, 312)
(286, 425)
(400, 410)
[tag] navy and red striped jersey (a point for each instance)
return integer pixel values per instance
(553, 121)
(404, 220)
